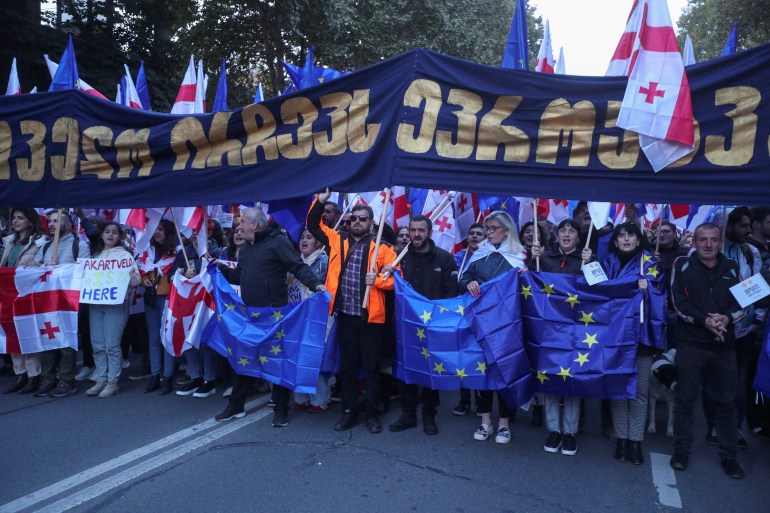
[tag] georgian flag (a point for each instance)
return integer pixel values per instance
(400, 207)
(185, 98)
(144, 221)
(39, 308)
(554, 210)
(443, 221)
(544, 62)
(466, 207)
(190, 307)
(195, 219)
(677, 214)
(657, 104)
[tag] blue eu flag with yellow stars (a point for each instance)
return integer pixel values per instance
(283, 345)
(435, 346)
(582, 339)
(495, 319)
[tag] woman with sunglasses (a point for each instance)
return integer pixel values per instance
(499, 253)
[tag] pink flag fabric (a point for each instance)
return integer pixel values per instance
(190, 307)
(545, 61)
(185, 98)
(657, 104)
(39, 308)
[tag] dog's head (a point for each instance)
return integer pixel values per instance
(664, 370)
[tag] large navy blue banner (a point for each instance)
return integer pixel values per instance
(419, 119)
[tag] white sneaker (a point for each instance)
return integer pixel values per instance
(125, 364)
(110, 390)
(483, 432)
(97, 388)
(84, 374)
(503, 436)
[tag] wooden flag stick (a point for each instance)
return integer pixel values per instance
(347, 209)
(465, 256)
(179, 236)
(535, 237)
(55, 247)
(588, 239)
(373, 265)
(641, 305)
(724, 226)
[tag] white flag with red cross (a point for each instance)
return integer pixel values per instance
(190, 307)
(39, 308)
(657, 104)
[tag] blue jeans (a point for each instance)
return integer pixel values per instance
(107, 323)
(201, 362)
(158, 354)
(323, 393)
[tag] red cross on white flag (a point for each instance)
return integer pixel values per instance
(657, 104)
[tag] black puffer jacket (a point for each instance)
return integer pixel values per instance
(433, 274)
(554, 262)
(262, 268)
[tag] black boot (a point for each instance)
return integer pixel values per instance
(18, 385)
(621, 449)
(166, 386)
(635, 453)
(31, 385)
(406, 421)
(537, 415)
(153, 385)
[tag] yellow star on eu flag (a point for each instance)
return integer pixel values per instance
(526, 291)
(586, 317)
(263, 359)
(421, 334)
(564, 373)
(653, 271)
(460, 373)
(425, 316)
(439, 367)
(425, 352)
(481, 367)
(219, 318)
(280, 334)
(582, 358)
(243, 361)
(503, 206)
(542, 377)
(229, 306)
(441, 309)
(646, 258)
(275, 349)
(255, 314)
(277, 315)
(460, 309)
(548, 289)
(572, 299)
(229, 350)
(591, 340)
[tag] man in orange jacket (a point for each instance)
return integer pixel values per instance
(359, 330)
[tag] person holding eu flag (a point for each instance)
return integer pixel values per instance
(564, 259)
(499, 253)
(627, 258)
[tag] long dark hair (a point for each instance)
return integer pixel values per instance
(32, 216)
(98, 245)
(169, 246)
(217, 233)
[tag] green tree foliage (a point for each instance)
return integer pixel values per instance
(709, 23)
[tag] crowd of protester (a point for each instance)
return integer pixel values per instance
(717, 343)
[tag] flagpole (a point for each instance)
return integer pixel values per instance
(588, 239)
(179, 236)
(55, 246)
(660, 222)
(465, 256)
(373, 265)
(347, 208)
(641, 305)
(535, 238)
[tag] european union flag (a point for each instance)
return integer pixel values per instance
(141, 87)
(220, 99)
(516, 54)
(582, 339)
(435, 345)
(762, 379)
(495, 319)
(283, 345)
(731, 45)
(66, 76)
(308, 75)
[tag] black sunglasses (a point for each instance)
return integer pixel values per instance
(358, 218)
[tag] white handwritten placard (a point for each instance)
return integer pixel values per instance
(750, 290)
(105, 281)
(594, 273)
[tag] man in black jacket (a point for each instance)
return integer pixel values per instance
(433, 273)
(705, 354)
(262, 266)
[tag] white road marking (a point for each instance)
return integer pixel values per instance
(80, 478)
(664, 479)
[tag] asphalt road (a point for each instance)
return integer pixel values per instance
(145, 453)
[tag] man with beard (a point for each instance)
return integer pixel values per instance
(360, 329)
(433, 273)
